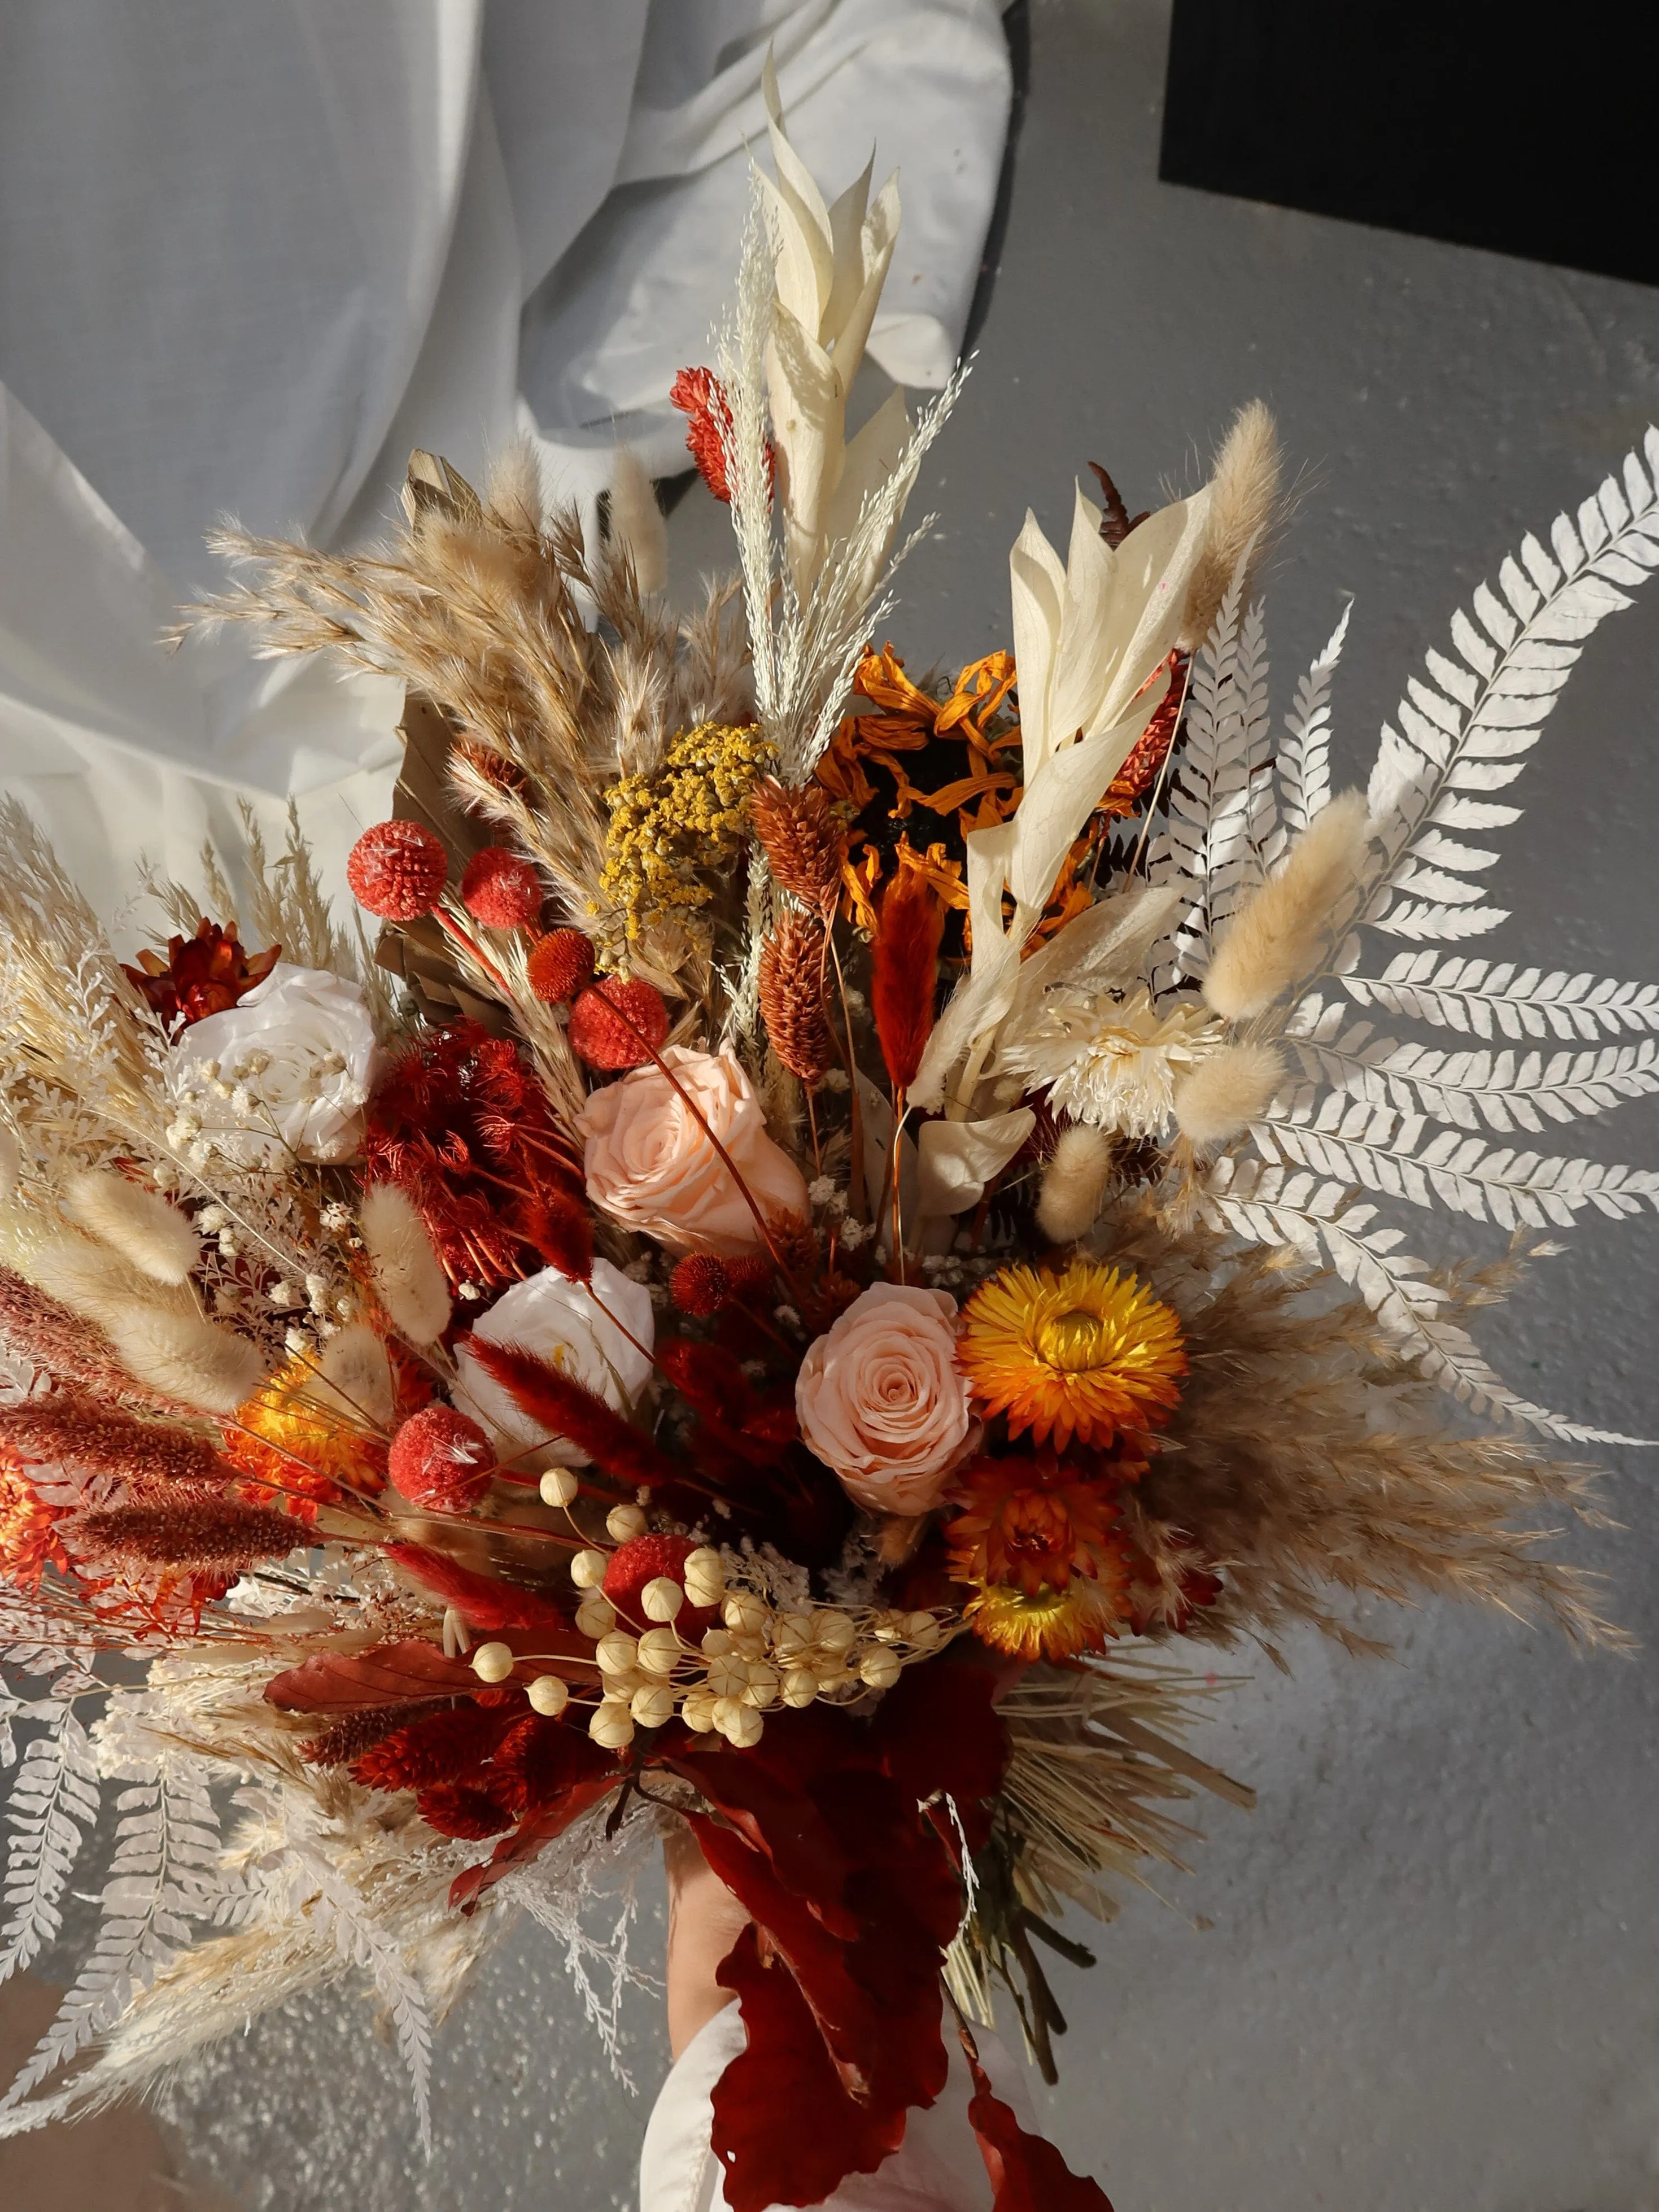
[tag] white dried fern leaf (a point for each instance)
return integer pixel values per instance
(362, 1942)
(1470, 1089)
(1304, 758)
(165, 1873)
(1268, 1203)
(1483, 998)
(1375, 1147)
(1463, 732)
(54, 1806)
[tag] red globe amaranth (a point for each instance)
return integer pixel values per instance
(700, 1284)
(616, 1025)
(561, 965)
(441, 1460)
(751, 1275)
(502, 889)
(398, 871)
(641, 1560)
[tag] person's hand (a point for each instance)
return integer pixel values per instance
(704, 1922)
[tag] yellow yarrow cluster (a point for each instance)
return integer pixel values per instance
(677, 826)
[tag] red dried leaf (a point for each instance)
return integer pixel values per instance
(786, 2129)
(1027, 2173)
(938, 1730)
(394, 1674)
(772, 1812)
(565, 1409)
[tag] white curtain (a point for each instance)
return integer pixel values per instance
(250, 257)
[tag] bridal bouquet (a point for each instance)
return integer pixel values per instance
(833, 1232)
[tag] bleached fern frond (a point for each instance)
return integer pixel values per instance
(1221, 830)
(165, 1873)
(1464, 731)
(1269, 1203)
(54, 1805)
(1481, 997)
(1375, 1147)
(1473, 1089)
(362, 1942)
(1304, 763)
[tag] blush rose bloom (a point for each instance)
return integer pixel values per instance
(295, 1058)
(881, 1401)
(648, 1164)
(560, 1321)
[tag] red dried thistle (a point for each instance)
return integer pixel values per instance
(616, 1025)
(560, 966)
(699, 394)
(502, 889)
(202, 975)
(441, 1460)
(398, 871)
(460, 1124)
(700, 1284)
(904, 972)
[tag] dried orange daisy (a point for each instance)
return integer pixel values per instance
(290, 1437)
(1050, 1623)
(1033, 1522)
(28, 1534)
(1084, 1353)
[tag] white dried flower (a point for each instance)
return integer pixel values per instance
(306, 1034)
(1111, 1061)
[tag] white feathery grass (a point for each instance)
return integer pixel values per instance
(1243, 494)
(355, 1377)
(1226, 1092)
(636, 521)
(138, 1224)
(1074, 1184)
(185, 1355)
(406, 1271)
(1274, 941)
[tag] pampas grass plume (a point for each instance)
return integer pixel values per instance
(1226, 1092)
(406, 1271)
(1073, 1184)
(1274, 941)
(1243, 494)
(190, 1358)
(138, 1224)
(636, 521)
(11, 1162)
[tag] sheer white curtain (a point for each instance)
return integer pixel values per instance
(250, 257)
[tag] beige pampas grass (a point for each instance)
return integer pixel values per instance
(1243, 494)
(187, 1357)
(1273, 943)
(407, 1274)
(1226, 1092)
(636, 521)
(11, 1162)
(137, 1223)
(1074, 1184)
(355, 1377)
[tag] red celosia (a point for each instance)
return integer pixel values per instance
(202, 975)
(539, 1760)
(699, 394)
(441, 1460)
(441, 1747)
(904, 972)
(561, 965)
(502, 889)
(461, 1124)
(700, 1284)
(616, 1025)
(464, 1810)
(398, 871)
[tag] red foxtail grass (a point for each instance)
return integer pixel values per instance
(198, 1532)
(482, 1602)
(904, 972)
(565, 1409)
(75, 1430)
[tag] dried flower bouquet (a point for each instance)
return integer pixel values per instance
(835, 1224)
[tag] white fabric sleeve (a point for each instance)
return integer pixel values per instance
(937, 2168)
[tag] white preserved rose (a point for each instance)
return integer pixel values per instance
(285, 1072)
(571, 1328)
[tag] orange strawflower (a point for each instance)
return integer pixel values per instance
(1033, 1522)
(1054, 1624)
(1087, 1352)
(304, 1442)
(28, 1533)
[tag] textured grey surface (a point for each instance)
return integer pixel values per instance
(1429, 1985)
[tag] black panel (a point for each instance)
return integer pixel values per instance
(1527, 129)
